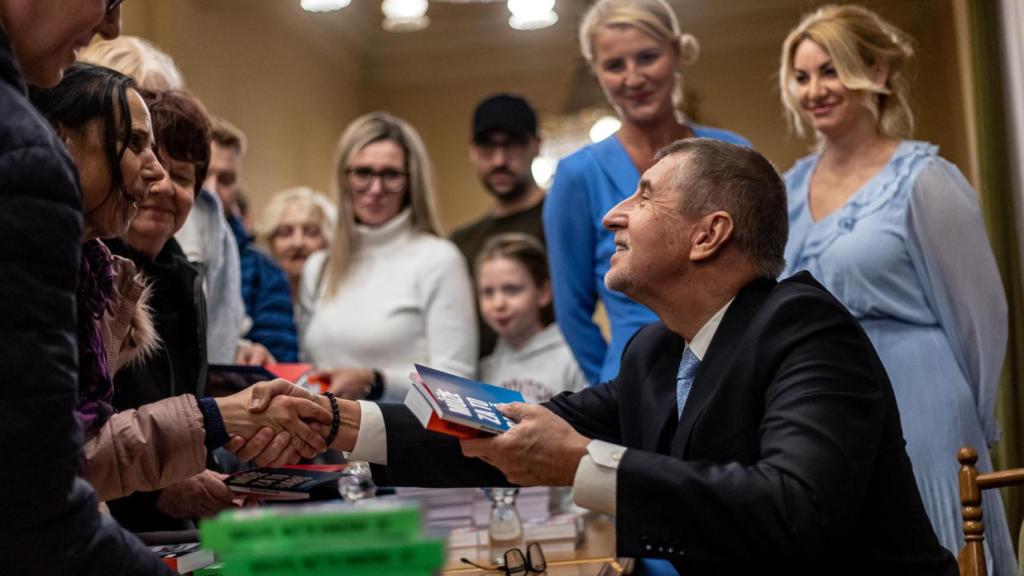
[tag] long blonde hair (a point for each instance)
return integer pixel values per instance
(858, 41)
(365, 130)
(652, 17)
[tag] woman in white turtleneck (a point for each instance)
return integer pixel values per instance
(390, 291)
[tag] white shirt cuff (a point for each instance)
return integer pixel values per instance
(372, 438)
(596, 477)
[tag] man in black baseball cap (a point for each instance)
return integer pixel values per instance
(504, 145)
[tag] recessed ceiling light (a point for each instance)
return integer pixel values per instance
(532, 14)
(405, 15)
(323, 5)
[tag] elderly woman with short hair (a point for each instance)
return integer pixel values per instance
(296, 223)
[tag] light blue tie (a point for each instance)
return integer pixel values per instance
(684, 377)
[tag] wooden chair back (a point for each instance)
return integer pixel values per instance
(972, 556)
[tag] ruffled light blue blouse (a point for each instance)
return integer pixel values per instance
(908, 255)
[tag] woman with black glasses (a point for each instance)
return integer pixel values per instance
(390, 291)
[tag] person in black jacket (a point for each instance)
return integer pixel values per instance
(52, 524)
(754, 430)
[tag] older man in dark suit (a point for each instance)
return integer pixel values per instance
(754, 429)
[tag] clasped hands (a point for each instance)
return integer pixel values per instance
(275, 423)
(540, 450)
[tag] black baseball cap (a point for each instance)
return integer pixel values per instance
(506, 113)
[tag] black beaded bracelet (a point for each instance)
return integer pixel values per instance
(335, 419)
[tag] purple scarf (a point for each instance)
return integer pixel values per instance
(95, 386)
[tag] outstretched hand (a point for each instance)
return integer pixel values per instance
(200, 496)
(347, 383)
(280, 406)
(540, 450)
(253, 354)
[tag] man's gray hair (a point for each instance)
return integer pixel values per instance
(721, 176)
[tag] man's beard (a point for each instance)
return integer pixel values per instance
(520, 186)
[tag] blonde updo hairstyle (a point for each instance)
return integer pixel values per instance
(858, 41)
(310, 204)
(420, 197)
(149, 66)
(652, 17)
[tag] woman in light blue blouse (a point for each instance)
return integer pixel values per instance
(636, 49)
(895, 232)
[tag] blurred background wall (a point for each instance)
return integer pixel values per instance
(292, 79)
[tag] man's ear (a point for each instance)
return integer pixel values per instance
(533, 146)
(711, 233)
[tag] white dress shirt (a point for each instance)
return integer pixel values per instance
(595, 484)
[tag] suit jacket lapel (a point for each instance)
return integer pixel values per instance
(719, 358)
(660, 404)
(615, 163)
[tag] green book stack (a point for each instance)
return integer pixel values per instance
(375, 538)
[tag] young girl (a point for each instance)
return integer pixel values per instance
(514, 292)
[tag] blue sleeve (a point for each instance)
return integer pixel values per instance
(720, 134)
(213, 423)
(268, 302)
(951, 253)
(571, 241)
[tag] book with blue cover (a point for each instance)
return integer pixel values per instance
(458, 406)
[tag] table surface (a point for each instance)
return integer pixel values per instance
(598, 549)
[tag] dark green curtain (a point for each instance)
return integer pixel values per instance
(999, 204)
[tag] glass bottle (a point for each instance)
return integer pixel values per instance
(356, 482)
(505, 530)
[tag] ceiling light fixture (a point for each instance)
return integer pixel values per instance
(323, 5)
(405, 15)
(532, 14)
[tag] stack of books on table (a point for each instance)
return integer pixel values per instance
(452, 508)
(464, 513)
(372, 538)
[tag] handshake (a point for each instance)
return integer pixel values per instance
(275, 423)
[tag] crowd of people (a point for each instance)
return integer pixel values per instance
(793, 362)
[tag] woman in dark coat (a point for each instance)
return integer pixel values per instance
(51, 522)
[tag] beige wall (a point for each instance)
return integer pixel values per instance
(443, 114)
(275, 72)
(737, 87)
(254, 63)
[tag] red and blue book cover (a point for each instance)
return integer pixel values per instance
(458, 406)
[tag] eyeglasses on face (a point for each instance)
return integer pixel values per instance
(361, 178)
(112, 5)
(518, 564)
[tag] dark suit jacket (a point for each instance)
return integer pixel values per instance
(789, 454)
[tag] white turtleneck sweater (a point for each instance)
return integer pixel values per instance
(407, 298)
